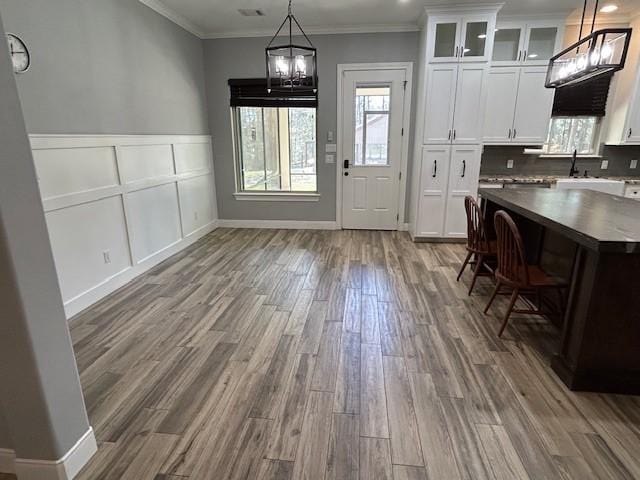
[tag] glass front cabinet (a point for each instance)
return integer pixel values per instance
(530, 43)
(454, 38)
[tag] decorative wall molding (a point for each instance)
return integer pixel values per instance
(279, 224)
(117, 205)
(7, 461)
(65, 468)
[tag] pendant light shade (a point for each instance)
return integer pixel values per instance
(291, 66)
(600, 52)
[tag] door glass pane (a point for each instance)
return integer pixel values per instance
(371, 126)
(505, 44)
(445, 40)
(541, 43)
(475, 39)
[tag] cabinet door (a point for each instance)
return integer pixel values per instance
(631, 135)
(433, 190)
(444, 42)
(540, 43)
(476, 36)
(508, 44)
(469, 103)
(502, 93)
(533, 107)
(439, 103)
(464, 172)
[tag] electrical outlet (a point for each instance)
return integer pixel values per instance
(604, 165)
(106, 256)
(329, 136)
(509, 163)
(329, 158)
(633, 164)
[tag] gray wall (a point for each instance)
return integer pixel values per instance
(244, 58)
(5, 436)
(40, 398)
(107, 66)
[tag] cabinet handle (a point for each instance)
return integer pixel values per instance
(629, 135)
(449, 138)
(464, 168)
(524, 57)
(509, 135)
(519, 54)
(514, 133)
(461, 51)
(435, 168)
(457, 51)
(454, 133)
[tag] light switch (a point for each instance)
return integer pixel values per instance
(329, 158)
(329, 136)
(604, 165)
(330, 148)
(633, 164)
(509, 163)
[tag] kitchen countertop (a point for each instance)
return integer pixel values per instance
(533, 179)
(596, 220)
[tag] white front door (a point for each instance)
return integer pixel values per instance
(372, 116)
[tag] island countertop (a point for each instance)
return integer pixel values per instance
(596, 220)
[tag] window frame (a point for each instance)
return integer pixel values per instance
(268, 195)
(595, 141)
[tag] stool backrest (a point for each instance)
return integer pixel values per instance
(476, 233)
(512, 264)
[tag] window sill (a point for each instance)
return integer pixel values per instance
(277, 197)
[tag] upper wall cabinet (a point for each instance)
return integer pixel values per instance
(460, 38)
(526, 43)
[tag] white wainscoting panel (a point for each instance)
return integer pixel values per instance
(154, 220)
(141, 162)
(195, 203)
(116, 205)
(64, 171)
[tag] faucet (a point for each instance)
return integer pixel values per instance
(574, 170)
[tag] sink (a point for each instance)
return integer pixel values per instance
(614, 187)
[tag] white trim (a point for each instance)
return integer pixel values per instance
(404, 227)
(277, 197)
(172, 15)
(87, 298)
(319, 30)
(406, 125)
(65, 468)
(279, 224)
(7, 460)
(40, 141)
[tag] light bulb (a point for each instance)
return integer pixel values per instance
(282, 66)
(301, 65)
(606, 53)
(595, 56)
(581, 62)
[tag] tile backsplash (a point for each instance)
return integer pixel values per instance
(495, 158)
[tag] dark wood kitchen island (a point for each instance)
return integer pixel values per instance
(592, 239)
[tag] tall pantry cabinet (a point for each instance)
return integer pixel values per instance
(455, 47)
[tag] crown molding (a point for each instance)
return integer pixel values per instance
(467, 8)
(608, 19)
(318, 30)
(175, 17)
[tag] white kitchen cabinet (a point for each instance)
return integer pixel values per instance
(460, 37)
(526, 42)
(518, 106)
(434, 170)
(464, 172)
(455, 100)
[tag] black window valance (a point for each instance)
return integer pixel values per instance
(584, 99)
(252, 92)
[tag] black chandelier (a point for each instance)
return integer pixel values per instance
(291, 67)
(600, 52)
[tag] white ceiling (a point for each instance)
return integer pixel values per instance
(220, 18)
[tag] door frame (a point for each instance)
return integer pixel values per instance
(406, 124)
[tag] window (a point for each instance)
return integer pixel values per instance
(567, 134)
(372, 126)
(276, 149)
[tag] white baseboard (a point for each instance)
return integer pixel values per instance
(7, 461)
(91, 296)
(403, 227)
(66, 468)
(280, 224)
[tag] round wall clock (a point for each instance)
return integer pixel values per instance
(19, 53)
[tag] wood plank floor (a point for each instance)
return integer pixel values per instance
(264, 354)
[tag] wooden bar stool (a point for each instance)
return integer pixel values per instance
(514, 272)
(477, 243)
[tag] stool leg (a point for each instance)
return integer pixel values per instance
(476, 272)
(464, 265)
(493, 296)
(512, 302)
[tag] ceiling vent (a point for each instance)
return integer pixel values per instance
(250, 12)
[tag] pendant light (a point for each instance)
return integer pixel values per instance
(291, 67)
(600, 52)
